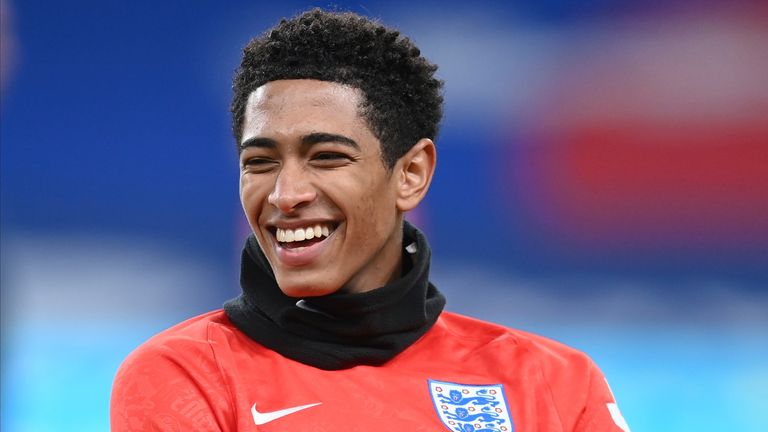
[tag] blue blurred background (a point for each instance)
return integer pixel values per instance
(602, 180)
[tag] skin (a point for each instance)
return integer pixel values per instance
(308, 157)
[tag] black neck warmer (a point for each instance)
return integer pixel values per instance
(339, 330)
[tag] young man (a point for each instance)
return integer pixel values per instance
(338, 327)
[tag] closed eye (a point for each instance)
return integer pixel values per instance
(330, 156)
(258, 164)
(331, 159)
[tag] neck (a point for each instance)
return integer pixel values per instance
(343, 329)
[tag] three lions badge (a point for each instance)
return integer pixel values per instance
(471, 408)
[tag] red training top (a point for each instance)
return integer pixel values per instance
(463, 375)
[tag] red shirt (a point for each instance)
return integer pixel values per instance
(206, 375)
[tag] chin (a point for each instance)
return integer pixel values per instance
(301, 290)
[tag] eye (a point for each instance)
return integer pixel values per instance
(258, 164)
(330, 156)
(329, 159)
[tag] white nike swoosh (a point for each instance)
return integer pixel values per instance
(262, 418)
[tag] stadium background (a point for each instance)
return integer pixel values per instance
(602, 179)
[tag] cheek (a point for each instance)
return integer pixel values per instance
(375, 211)
(251, 197)
(245, 186)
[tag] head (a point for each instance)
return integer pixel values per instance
(401, 98)
(335, 119)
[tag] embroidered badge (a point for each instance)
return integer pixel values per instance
(471, 408)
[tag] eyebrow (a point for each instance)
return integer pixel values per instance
(321, 137)
(306, 141)
(258, 142)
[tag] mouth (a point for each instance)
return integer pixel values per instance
(303, 237)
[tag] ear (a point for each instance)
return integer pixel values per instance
(414, 174)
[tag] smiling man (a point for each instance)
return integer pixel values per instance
(324, 208)
(338, 327)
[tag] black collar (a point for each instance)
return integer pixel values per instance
(340, 330)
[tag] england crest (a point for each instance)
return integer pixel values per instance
(471, 408)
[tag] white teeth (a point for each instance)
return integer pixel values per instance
(299, 234)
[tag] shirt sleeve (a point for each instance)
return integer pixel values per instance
(162, 387)
(600, 411)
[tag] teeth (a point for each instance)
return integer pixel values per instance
(299, 234)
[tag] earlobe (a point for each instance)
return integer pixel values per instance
(416, 169)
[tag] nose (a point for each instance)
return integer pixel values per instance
(292, 189)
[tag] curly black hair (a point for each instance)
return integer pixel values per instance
(402, 100)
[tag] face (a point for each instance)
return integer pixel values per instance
(315, 190)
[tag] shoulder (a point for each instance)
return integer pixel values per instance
(556, 361)
(540, 347)
(188, 343)
(571, 380)
(191, 336)
(173, 377)
(191, 329)
(179, 345)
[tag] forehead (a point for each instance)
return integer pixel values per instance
(302, 106)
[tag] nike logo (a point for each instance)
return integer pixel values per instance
(262, 418)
